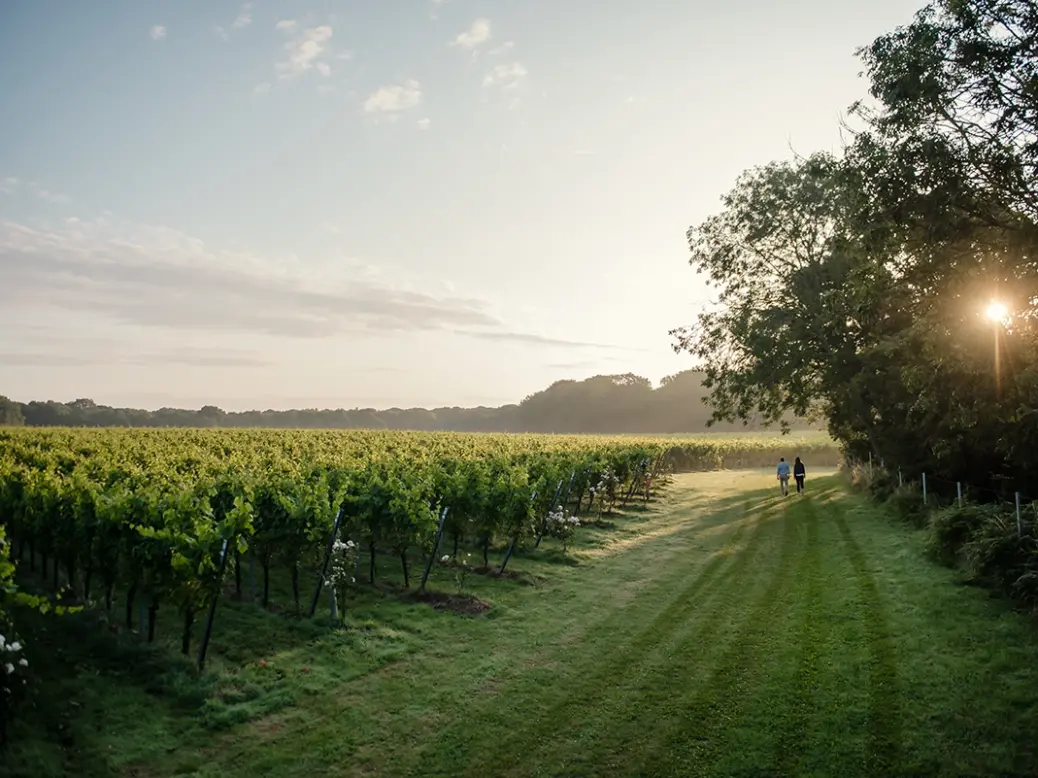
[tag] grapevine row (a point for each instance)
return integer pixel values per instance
(150, 514)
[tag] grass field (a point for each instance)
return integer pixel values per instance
(724, 631)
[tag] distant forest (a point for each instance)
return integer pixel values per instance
(608, 404)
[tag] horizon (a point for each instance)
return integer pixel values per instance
(430, 204)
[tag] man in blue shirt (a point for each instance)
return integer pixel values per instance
(783, 475)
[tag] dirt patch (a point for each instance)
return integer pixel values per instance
(457, 603)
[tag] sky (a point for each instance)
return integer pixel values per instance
(379, 203)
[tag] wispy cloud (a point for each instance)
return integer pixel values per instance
(157, 32)
(390, 101)
(423, 124)
(244, 18)
(434, 8)
(286, 25)
(474, 37)
(47, 194)
(510, 76)
(156, 277)
(529, 339)
(504, 48)
(306, 51)
(261, 89)
(152, 277)
(8, 185)
(88, 354)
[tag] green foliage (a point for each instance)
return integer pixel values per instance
(854, 286)
(951, 529)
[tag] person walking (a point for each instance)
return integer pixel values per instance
(783, 475)
(799, 472)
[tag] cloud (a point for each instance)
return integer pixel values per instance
(83, 354)
(510, 76)
(504, 48)
(7, 185)
(160, 278)
(286, 25)
(394, 99)
(475, 36)
(588, 364)
(436, 5)
(305, 52)
(158, 32)
(244, 18)
(47, 194)
(261, 89)
(529, 339)
(423, 124)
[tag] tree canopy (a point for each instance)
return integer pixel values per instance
(855, 287)
(606, 404)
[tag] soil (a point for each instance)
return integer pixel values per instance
(465, 604)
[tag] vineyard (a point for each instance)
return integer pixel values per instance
(134, 522)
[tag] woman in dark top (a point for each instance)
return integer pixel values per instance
(798, 473)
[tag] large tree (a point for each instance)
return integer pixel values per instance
(856, 285)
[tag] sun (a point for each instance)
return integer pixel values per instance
(996, 311)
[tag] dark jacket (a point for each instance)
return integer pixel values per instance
(798, 468)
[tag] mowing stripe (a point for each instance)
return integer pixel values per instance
(515, 747)
(695, 737)
(650, 685)
(884, 714)
(811, 633)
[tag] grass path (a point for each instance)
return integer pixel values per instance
(728, 632)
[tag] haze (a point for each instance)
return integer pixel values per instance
(407, 203)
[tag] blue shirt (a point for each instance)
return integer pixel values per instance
(783, 469)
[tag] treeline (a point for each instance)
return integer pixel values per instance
(608, 404)
(892, 288)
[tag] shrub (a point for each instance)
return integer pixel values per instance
(907, 502)
(996, 556)
(952, 528)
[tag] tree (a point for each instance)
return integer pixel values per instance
(10, 413)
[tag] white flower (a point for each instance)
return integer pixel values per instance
(23, 662)
(15, 646)
(2, 641)
(10, 668)
(445, 558)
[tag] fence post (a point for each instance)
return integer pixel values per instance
(924, 488)
(958, 491)
(1019, 525)
(900, 480)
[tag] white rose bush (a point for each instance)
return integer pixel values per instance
(341, 576)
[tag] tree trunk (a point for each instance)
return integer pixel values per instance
(57, 574)
(131, 595)
(266, 582)
(88, 574)
(185, 637)
(32, 556)
(403, 562)
(153, 612)
(70, 567)
(371, 568)
(295, 584)
(455, 555)
(109, 586)
(21, 549)
(237, 574)
(486, 552)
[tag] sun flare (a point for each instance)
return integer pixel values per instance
(996, 311)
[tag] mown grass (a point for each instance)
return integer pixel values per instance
(728, 631)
